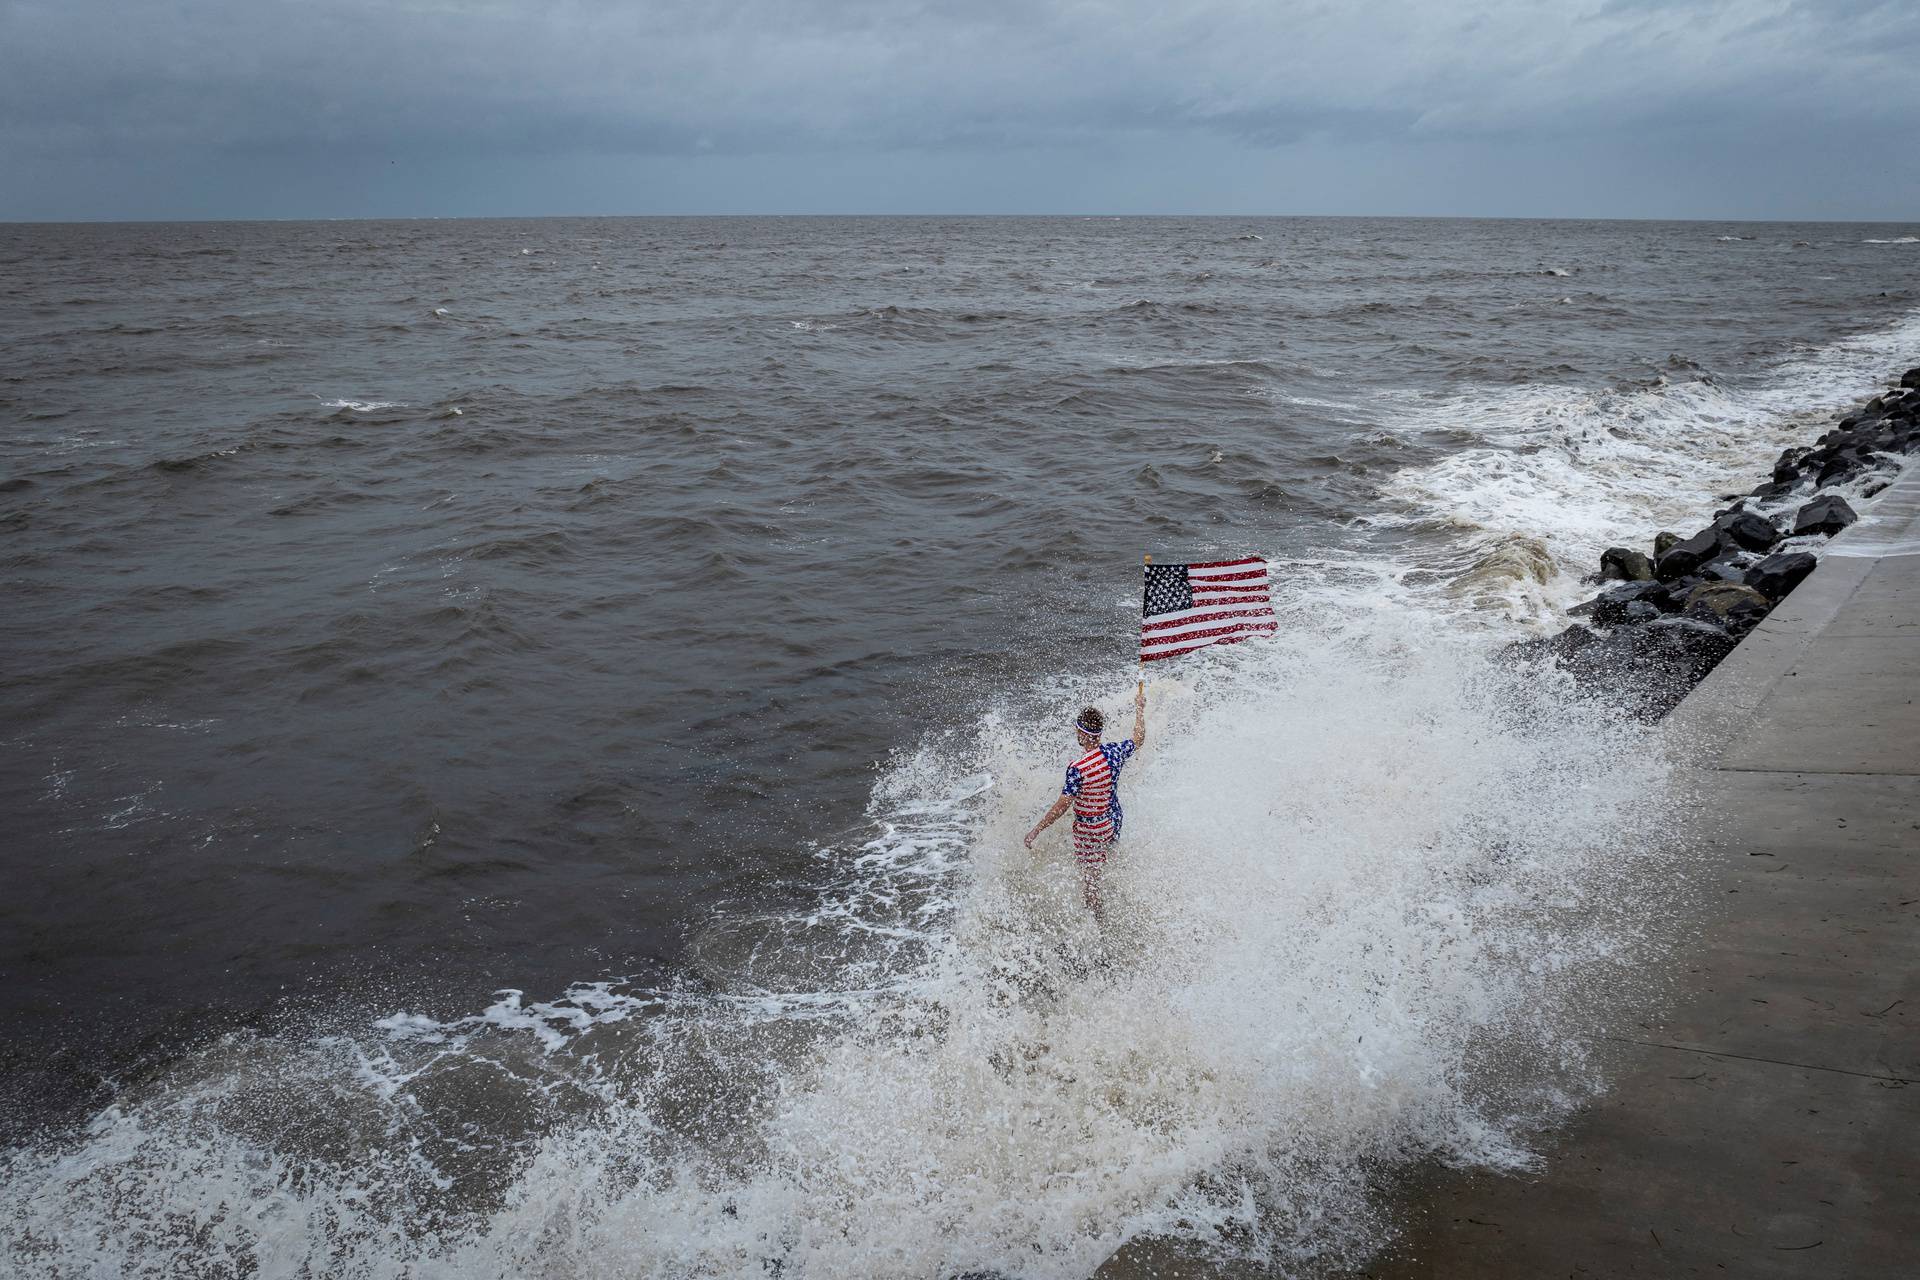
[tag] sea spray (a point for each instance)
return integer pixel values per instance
(1376, 902)
(1555, 473)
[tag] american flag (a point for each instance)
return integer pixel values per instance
(1190, 606)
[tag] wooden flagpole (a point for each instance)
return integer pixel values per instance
(1145, 561)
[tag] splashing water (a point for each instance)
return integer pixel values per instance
(1557, 473)
(1376, 900)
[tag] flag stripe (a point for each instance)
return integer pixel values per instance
(1238, 575)
(1204, 630)
(1227, 564)
(1204, 634)
(1234, 636)
(1188, 617)
(1202, 637)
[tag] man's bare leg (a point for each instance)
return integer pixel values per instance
(1090, 887)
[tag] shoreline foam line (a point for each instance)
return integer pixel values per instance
(1664, 621)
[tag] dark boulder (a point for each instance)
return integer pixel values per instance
(1559, 648)
(1685, 556)
(1615, 606)
(1646, 669)
(1911, 378)
(1754, 533)
(1733, 605)
(1572, 640)
(1840, 468)
(1672, 596)
(1851, 441)
(1788, 467)
(1775, 490)
(1720, 571)
(1777, 575)
(1661, 543)
(1826, 516)
(1624, 565)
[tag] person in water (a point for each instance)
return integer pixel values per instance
(1093, 789)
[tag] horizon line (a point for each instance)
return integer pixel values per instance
(1082, 216)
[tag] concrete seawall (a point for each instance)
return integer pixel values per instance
(1769, 1124)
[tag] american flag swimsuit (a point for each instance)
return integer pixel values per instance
(1093, 782)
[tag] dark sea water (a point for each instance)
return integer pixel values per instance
(670, 623)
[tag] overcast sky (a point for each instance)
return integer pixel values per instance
(342, 108)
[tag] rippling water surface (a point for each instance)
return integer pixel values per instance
(516, 734)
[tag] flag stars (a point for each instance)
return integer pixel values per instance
(1167, 589)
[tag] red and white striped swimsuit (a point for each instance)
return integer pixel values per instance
(1093, 782)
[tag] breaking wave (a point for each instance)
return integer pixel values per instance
(1578, 470)
(1377, 902)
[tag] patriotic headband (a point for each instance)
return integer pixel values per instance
(1086, 728)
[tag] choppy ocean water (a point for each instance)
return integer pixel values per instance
(516, 733)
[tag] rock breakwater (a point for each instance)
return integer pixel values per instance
(1665, 618)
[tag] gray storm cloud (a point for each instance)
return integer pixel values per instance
(743, 74)
(755, 77)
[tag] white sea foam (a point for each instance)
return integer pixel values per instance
(1567, 471)
(1376, 902)
(361, 406)
(1886, 528)
(1315, 402)
(1895, 240)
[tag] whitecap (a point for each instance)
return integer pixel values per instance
(1895, 240)
(361, 406)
